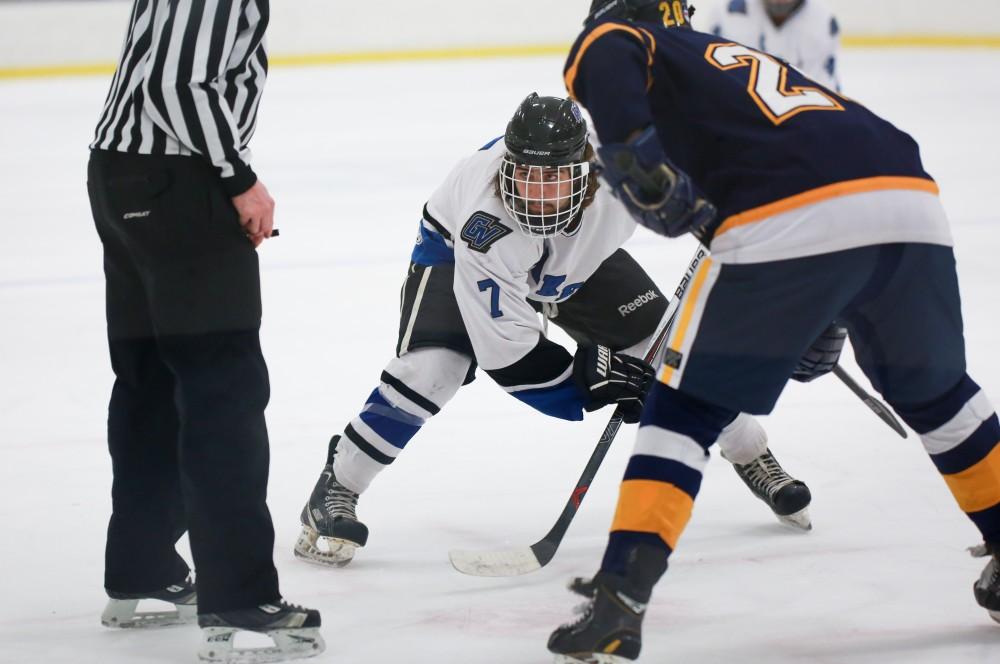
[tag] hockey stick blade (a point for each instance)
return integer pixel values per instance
(512, 562)
(873, 404)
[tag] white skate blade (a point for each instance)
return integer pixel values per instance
(799, 520)
(334, 552)
(295, 643)
(512, 562)
(592, 658)
(121, 613)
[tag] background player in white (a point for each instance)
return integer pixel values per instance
(519, 227)
(804, 33)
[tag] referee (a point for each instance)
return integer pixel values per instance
(180, 213)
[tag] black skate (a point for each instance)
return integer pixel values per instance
(609, 630)
(294, 630)
(329, 518)
(121, 608)
(987, 588)
(787, 497)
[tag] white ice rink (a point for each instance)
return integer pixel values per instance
(350, 154)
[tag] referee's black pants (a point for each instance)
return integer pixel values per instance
(186, 428)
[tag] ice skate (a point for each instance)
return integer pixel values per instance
(331, 532)
(987, 588)
(121, 608)
(787, 497)
(294, 630)
(609, 629)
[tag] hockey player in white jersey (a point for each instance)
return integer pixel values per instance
(517, 229)
(804, 33)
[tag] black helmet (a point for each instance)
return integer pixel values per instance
(546, 131)
(673, 13)
(544, 175)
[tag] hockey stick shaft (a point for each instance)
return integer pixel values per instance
(522, 560)
(874, 404)
(545, 548)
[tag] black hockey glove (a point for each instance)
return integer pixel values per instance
(656, 193)
(822, 356)
(609, 378)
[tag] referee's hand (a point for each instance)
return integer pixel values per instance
(256, 209)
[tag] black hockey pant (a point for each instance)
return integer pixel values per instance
(186, 428)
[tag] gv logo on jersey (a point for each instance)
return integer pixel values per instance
(482, 230)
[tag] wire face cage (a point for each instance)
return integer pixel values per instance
(543, 199)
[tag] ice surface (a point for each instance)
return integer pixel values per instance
(351, 154)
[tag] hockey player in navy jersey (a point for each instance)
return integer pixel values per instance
(816, 210)
(803, 33)
(519, 227)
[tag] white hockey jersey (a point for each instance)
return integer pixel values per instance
(809, 39)
(498, 268)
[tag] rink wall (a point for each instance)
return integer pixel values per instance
(59, 37)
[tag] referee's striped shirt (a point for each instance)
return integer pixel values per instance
(189, 81)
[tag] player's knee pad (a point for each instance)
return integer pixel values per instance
(934, 414)
(743, 440)
(959, 427)
(423, 380)
(675, 411)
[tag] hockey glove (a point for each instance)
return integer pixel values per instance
(609, 378)
(656, 193)
(822, 356)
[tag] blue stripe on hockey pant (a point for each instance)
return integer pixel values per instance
(393, 425)
(663, 476)
(421, 382)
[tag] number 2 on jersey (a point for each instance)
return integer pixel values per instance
(768, 84)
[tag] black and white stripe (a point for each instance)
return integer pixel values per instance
(189, 81)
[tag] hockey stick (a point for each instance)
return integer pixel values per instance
(513, 562)
(874, 404)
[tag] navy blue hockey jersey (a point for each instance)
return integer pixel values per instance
(758, 137)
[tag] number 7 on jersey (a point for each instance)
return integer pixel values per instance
(494, 289)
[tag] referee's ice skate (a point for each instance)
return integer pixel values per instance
(121, 610)
(294, 630)
(331, 531)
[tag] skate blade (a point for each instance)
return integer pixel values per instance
(995, 615)
(591, 658)
(289, 644)
(799, 520)
(121, 614)
(338, 553)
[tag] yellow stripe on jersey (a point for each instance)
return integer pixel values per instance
(648, 506)
(978, 487)
(596, 34)
(680, 330)
(848, 188)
